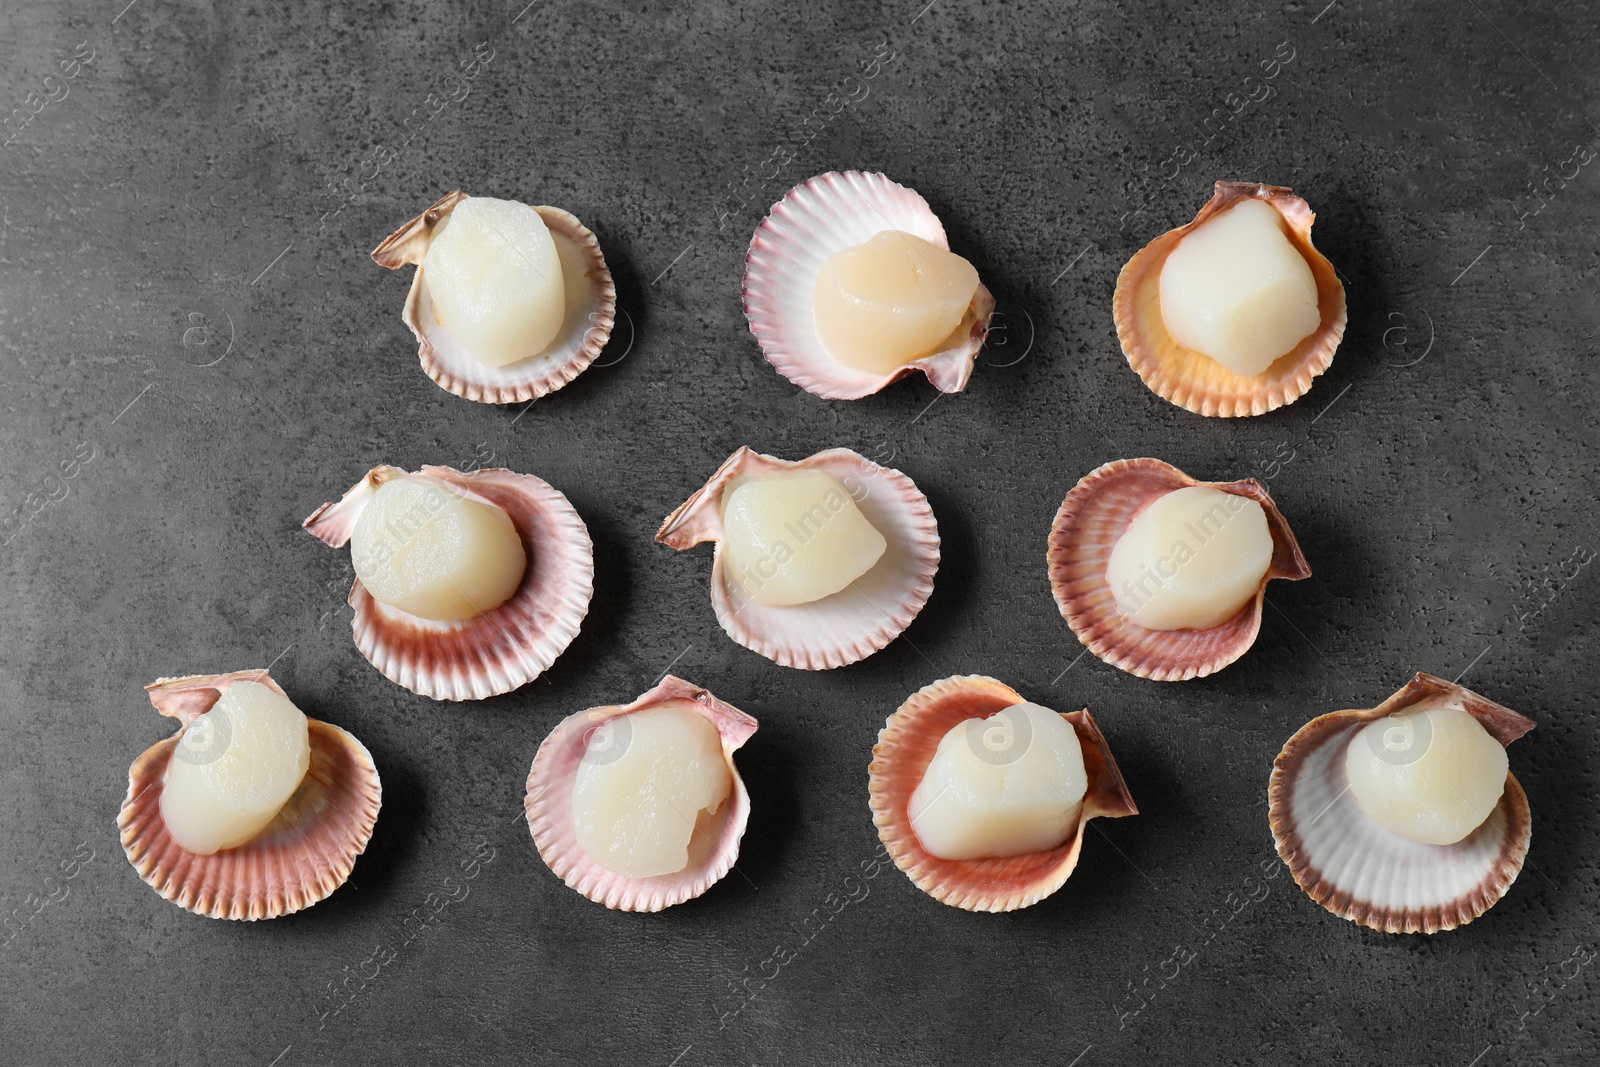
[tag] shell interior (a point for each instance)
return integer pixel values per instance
(1360, 871)
(505, 647)
(852, 623)
(1094, 515)
(303, 855)
(814, 220)
(548, 806)
(590, 312)
(900, 759)
(1195, 381)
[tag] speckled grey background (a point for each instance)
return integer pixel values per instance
(186, 299)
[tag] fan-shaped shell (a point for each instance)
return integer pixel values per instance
(548, 805)
(1362, 872)
(905, 747)
(303, 855)
(505, 647)
(814, 220)
(1195, 381)
(590, 313)
(1094, 515)
(858, 620)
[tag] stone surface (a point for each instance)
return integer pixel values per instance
(185, 298)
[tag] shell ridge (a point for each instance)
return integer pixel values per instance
(188, 697)
(334, 522)
(699, 519)
(409, 243)
(1110, 794)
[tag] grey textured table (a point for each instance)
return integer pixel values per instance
(186, 300)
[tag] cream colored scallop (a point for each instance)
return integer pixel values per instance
(495, 279)
(1430, 774)
(234, 767)
(645, 781)
(1190, 560)
(1003, 786)
(1237, 289)
(795, 537)
(431, 552)
(880, 304)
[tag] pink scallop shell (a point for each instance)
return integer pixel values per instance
(505, 647)
(858, 620)
(1195, 381)
(1362, 872)
(304, 854)
(548, 805)
(591, 312)
(1093, 516)
(906, 746)
(813, 221)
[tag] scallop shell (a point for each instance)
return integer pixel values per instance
(505, 647)
(304, 854)
(549, 809)
(813, 221)
(1093, 516)
(906, 746)
(591, 312)
(1195, 381)
(1361, 871)
(858, 620)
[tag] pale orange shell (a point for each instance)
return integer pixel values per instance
(858, 620)
(1195, 381)
(816, 219)
(304, 854)
(1360, 871)
(505, 647)
(905, 747)
(590, 314)
(1094, 515)
(548, 805)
